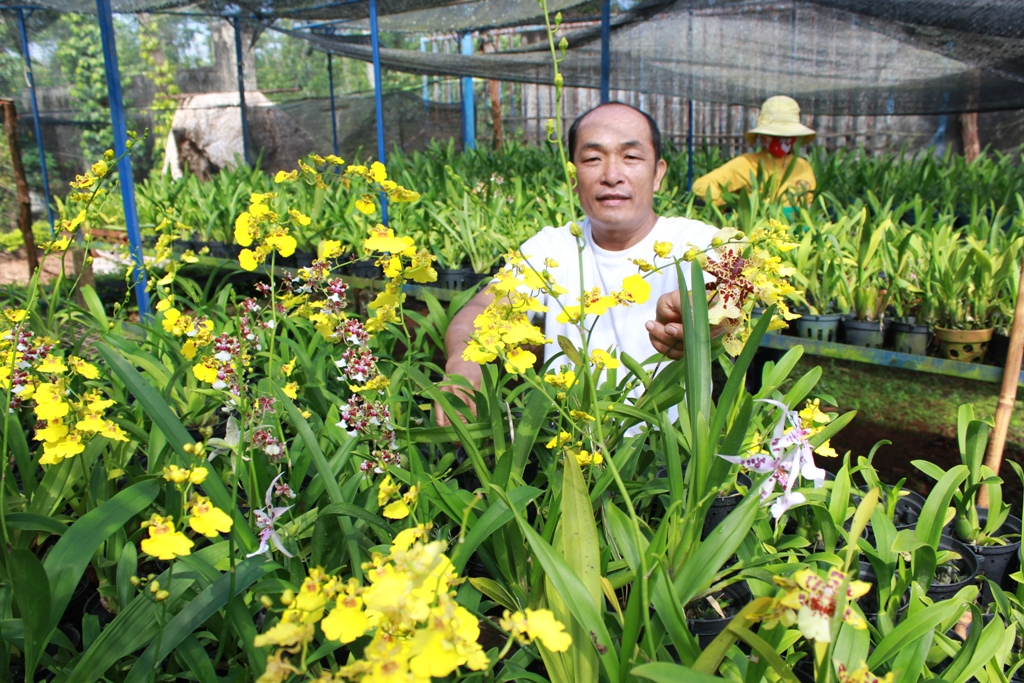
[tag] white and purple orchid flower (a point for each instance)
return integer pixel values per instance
(265, 518)
(789, 457)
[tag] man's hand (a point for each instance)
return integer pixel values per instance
(462, 368)
(666, 330)
(460, 331)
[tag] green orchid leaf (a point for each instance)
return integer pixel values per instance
(32, 593)
(663, 672)
(73, 552)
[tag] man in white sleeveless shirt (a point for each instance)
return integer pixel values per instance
(617, 152)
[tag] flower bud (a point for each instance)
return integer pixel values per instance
(288, 597)
(563, 44)
(559, 80)
(135, 581)
(162, 595)
(154, 586)
(549, 126)
(558, 19)
(150, 577)
(188, 448)
(716, 242)
(266, 601)
(576, 230)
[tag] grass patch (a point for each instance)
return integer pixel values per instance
(907, 400)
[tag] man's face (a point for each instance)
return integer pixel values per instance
(616, 168)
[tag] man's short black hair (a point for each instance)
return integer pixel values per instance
(655, 132)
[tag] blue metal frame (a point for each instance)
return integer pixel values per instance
(426, 86)
(893, 359)
(606, 49)
(468, 98)
(240, 71)
(334, 113)
(35, 115)
(378, 100)
(124, 164)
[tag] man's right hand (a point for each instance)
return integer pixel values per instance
(457, 367)
(460, 331)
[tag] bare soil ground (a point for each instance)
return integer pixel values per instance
(14, 268)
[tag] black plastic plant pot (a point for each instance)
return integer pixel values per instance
(818, 327)
(451, 278)
(908, 338)
(721, 506)
(869, 601)
(804, 670)
(966, 570)
(908, 510)
(219, 250)
(864, 333)
(736, 596)
(997, 562)
(473, 279)
(997, 349)
(366, 269)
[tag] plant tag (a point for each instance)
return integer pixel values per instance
(715, 606)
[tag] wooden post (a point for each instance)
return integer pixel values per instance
(10, 115)
(1008, 393)
(494, 94)
(969, 129)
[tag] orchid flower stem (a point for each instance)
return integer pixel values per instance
(162, 621)
(85, 479)
(15, 331)
(630, 507)
(7, 427)
(273, 317)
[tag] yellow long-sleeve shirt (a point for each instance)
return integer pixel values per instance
(735, 175)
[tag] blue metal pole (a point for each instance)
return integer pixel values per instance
(124, 164)
(35, 115)
(334, 113)
(426, 87)
(689, 145)
(239, 68)
(378, 100)
(606, 51)
(468, 100)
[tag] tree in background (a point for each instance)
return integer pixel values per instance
(80, 56)
(161, 71)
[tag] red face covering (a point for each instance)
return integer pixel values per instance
(779, 147)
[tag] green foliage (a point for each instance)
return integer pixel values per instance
(80, 56)
(610, 534)
(160, 70)
(12, 240)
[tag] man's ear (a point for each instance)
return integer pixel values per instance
(659, 173)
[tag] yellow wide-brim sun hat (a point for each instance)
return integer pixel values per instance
(780, 117)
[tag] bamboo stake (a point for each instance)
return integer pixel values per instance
(1008, 393)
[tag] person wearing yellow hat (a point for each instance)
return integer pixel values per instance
(778, 131)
